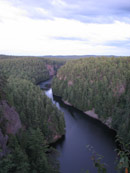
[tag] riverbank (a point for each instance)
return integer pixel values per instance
(92, 114)
(45, 85)
(82, 130)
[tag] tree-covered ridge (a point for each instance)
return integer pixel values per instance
(33, 69)
(101, 85)
(35, 109)
(42, 123)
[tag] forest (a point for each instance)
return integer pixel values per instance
(39, 122)
(95, 84)
(99, 85)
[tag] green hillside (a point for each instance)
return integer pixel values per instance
(28, 119)
(100, 86)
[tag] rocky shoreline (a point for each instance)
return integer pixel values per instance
(92, 114)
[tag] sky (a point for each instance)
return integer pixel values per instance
(65, 27)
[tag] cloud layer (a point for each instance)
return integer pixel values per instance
(92, 11)
(54, 27)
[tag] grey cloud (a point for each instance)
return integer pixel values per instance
(92, 11)
(70, 38)
(120, 43)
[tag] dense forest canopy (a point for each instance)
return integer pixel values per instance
(42, 123)
(101, 85)
(33, 69)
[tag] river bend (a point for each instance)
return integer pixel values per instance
(82, 130)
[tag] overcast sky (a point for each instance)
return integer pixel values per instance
(65, 27)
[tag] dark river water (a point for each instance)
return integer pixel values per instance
(82, 130)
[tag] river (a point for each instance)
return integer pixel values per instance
(82, 130)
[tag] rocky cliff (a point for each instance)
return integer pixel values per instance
(9, 124)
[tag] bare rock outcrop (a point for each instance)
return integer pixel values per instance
(13, 120)
(51, 70)
(92, 113)
(12, 125)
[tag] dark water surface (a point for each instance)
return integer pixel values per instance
(81, 130)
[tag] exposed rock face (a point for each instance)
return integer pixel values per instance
(51, 70)
(70, 83)
(92, 113)
(66, 102)
(108, 122)
(12, 125)
(13, 121)
(56, 138)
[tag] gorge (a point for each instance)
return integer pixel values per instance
(82, 130)
(30, 121)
